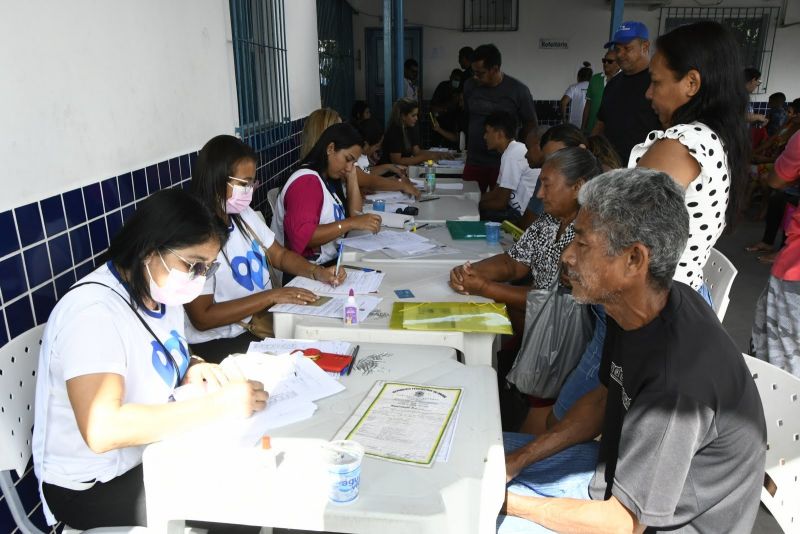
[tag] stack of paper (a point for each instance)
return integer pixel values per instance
(408, 242)
(391, 219)
(391, 196)
(360, 282)
(451, 186)
(450, 163)
(332, 308)
(281, 346)
(487, 317)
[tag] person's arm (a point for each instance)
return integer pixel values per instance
(599, 127)
(374, 182)
(581, 423)
(585, 119)
(485, 279)
(495, 199)
(673, 158)
(354, 201)
(418, 156)
(786, 171)
(574, 515)
(450, 136)
(289, 261)
(565, 100)
(107, 423)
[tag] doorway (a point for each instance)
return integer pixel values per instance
(373, 57)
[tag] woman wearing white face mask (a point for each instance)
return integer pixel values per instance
(112, 354)
(224, 180)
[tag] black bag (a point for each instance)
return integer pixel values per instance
(557, 330)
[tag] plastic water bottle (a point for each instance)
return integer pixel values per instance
(430, 177)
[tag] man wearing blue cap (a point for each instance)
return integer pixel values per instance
(625, 116)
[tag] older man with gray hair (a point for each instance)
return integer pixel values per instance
(683, 432)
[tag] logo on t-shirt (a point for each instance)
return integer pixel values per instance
(251, 270)
(164, 364)
(616, 376)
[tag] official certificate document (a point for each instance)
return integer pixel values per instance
(402, 422)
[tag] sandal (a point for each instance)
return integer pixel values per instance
(759, 247)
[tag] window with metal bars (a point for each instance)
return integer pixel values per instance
(336, 69)
(259, 53)
(753, 27)
(491, 15)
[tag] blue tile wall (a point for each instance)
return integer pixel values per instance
(46, 246)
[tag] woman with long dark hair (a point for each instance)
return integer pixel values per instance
(113, 353)
(401, 142)
(696, 91)
(310, 213)
(224, 178)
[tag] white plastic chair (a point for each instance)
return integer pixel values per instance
(19, 359)
(780, 396)
(272, 198)
(718, 275)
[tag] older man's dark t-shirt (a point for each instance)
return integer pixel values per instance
(683, 444)
(511, 96)
(626, 113)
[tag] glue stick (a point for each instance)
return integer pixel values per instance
(351, 309)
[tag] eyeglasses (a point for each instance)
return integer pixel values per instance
(249, 185)
(608, 61)
(196, 268)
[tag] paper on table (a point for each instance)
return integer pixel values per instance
(360, 282)
(447, 440)
(293, 381)
(394, 196)
(332, 308)
(401, 241)
(390, 219)
(454, 186)
(402, 422)
(280, 346)
(450, 163)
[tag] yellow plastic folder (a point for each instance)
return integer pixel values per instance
(488, 317)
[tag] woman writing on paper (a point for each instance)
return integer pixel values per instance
(113, 353)
(221, 318)
(401, 142)
(310, 212)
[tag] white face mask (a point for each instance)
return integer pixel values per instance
(179, 288)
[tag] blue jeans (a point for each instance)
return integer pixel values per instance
(583, 378)
(566, 474)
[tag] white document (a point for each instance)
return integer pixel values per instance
(447, 440)
(450, 163)
(389, 218)
(400, 241)
(280, 346)
(403, 422)
(394, 196)
(334, 308)
(450, 186)
(360, 282)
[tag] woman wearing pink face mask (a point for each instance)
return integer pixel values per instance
(224, 180)
(113, 353)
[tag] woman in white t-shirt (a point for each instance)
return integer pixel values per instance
(575, 97)
(224, 179)
(113, 353)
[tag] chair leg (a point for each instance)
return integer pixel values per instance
(15, 505)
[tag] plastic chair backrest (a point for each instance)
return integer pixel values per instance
(718, 275)
(272, 198)
(780, 396)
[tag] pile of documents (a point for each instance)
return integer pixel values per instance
(360, 282)
(403, 242)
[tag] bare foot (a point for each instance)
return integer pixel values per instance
(768, 258)
(759, 247)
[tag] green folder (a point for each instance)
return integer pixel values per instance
(488, 317)
(467, 229)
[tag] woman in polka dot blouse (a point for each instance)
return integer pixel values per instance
(696, 91)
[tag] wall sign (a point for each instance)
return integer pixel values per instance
(553, 44)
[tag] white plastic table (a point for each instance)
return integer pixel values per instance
(469, 189)
(427, 283)
(446, 170)
(462, 495)
(446, 208)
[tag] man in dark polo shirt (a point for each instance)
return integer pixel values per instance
(492, 90)
(683, 433)
(625, 116)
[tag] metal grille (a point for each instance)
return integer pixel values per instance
(491, 15)
(336, 70)
(753, 27)
(259, 53)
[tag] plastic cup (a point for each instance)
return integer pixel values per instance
(343, 461)
(378, 205)
(493, 232)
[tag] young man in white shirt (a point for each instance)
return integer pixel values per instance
(517, 181)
